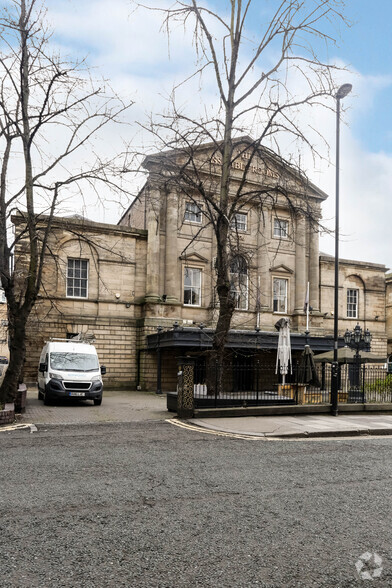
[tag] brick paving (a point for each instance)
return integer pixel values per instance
(117, 406)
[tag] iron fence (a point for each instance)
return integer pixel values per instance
(254, 383)
(250, 382)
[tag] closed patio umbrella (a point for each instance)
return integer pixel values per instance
(307, 373)
(283, 358)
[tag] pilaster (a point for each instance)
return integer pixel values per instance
(300, 264)
(172, 287)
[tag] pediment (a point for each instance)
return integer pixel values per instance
(282, 269)
(193, 257)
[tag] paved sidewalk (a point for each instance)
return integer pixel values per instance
(301, 425)
(131, 406)
(118, 406)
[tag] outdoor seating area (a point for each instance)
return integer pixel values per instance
(250, 383)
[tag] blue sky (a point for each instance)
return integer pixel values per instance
(128, 48)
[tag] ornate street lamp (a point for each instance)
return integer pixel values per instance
(358, 340)
(341, 93)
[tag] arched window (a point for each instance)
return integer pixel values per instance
(239, 281)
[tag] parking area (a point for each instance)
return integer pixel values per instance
(118, 406)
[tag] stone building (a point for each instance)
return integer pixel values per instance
(156, 268)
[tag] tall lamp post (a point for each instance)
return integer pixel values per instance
(341, 93)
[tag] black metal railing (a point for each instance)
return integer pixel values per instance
(253, 383)
(250, 382)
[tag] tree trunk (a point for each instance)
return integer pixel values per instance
(17, 343)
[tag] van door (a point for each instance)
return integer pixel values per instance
(42, 376)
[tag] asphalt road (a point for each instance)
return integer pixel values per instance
(149, 504)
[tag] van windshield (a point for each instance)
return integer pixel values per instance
(73, 362)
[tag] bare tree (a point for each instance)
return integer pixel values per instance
(50, 113)
(264, 74)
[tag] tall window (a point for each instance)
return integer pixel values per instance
(352, 303)
(77, 278)
(281, 228)
(239, 222)
(192, 286)
(192, 213)
(280, 295)
(239, 282)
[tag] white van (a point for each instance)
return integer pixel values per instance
(69, 369)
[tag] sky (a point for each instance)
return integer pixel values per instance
(128, 48)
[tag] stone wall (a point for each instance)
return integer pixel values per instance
(115, 341)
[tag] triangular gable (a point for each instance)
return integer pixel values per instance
(268, 165)
(282, 269)
(193, 257)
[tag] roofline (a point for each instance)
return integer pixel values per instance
(243, 139)
(66, 222)
(379, 266)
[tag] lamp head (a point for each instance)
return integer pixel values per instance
(357, 333)
(343, 91)
(347, 337)
(367, 336)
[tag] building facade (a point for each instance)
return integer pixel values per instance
(146, 287)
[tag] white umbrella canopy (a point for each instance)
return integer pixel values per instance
(283, 357)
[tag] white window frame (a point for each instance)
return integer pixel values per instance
(277, 308)
(281, 228)
(193, 213)
(3, 299)
(240, 287)
(192, 287)
(352, 302)
(239, 224)
(75, 278)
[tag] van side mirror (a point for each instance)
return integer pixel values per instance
(103, 370)
(43, 367)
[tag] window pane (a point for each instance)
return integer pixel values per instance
(280, 295)
(192, 286)
(239, 222)
(352, 303)
(239, 282)
(77, 278)
(280, 228)
(192, 212)
(196, 278)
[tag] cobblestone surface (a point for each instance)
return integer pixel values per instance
(117, 407)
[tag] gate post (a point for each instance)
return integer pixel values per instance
(185, 388)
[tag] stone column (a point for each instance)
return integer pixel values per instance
(314, 268)
(263, 263)
(152, 276)
(300, 264)
(172, 288)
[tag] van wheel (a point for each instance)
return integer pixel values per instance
(98, 401)
(47, 399)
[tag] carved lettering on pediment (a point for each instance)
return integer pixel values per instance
(257, 166)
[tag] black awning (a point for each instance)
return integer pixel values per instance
(195, 338)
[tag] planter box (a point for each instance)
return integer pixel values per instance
(7, 415)
(342, 396)
(313, 398)
(290, 389)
